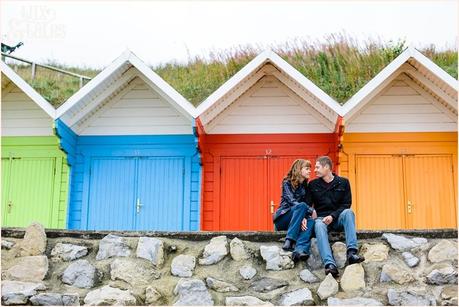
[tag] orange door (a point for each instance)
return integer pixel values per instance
(379, 192)
(244, 193)
(430, 197)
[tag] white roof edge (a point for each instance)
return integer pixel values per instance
(435, 69)
(355, 100)
(28, 90)
(269, 55)
(165, 87)
(233, 81)
(375, 82)
(306, 83)
(128, 56)
(76, 97)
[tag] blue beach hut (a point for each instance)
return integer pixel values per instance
(132, 147)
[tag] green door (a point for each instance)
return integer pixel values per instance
(27, 191)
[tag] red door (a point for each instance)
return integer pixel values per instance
(251, 190)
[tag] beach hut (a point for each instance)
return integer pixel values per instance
(399, 148)
(250, 131)
(131, 142)
(35, 173)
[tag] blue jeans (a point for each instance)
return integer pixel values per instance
(346, 222)
(291, 221)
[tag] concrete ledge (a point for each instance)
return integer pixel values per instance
(254, 236)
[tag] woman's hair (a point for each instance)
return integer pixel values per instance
(294, 174)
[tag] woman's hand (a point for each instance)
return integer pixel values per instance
(328, 219)
(304, 225)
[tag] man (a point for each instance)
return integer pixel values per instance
(331, 196)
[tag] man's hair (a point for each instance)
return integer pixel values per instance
(325, 160)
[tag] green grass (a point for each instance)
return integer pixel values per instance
(340, 67)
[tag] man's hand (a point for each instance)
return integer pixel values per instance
(314, 214)
(328, 219)
(304, 225)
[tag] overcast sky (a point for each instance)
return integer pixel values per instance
(93, 33)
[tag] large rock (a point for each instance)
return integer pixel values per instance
(267, 284)
(153, 296)
(70, 299)
(183, 265)
(151, 249)
(110, 296)
(402, 243)
(220, 285)
(328, 287)
(355, 301)
(68, 252)
(315, 261)
(18, 292)
(34, 242)
(409, 298)
(308, 276)
(80, 274)
(135, 273)
(442, 273)
(113, 246)
(443, 250)
(47, 299)
(276, 259)
(29, 268)
(245, 301)
(238, 250)
(339, 253)
(299, 297)
(395, 272)
(353, 278)
(410, 259)
(215, 251)
(55, 299)
(375, 252)
(247, 272)
(192, 292)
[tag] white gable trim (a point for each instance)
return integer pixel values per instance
(147, 74)
(28, 90)
(252, 67)
(364, 95)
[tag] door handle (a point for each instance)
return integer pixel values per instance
(138, 205)
(409, 207)
(272, 207)
(10, 206)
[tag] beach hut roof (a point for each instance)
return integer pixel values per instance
(412, 62)
(252, 72)
(26, 88)
(111, 80)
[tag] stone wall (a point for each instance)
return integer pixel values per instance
(69, 268)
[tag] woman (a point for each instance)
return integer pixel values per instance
(294, 214)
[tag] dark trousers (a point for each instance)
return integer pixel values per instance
(291, 221)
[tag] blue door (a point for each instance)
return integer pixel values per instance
(112, 194)
(160, 194)
(136, 193)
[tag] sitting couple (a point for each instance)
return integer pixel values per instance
(316, 207)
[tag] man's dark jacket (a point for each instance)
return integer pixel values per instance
(291, 197)
(332, 199)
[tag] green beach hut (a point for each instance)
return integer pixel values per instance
(35, 174)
